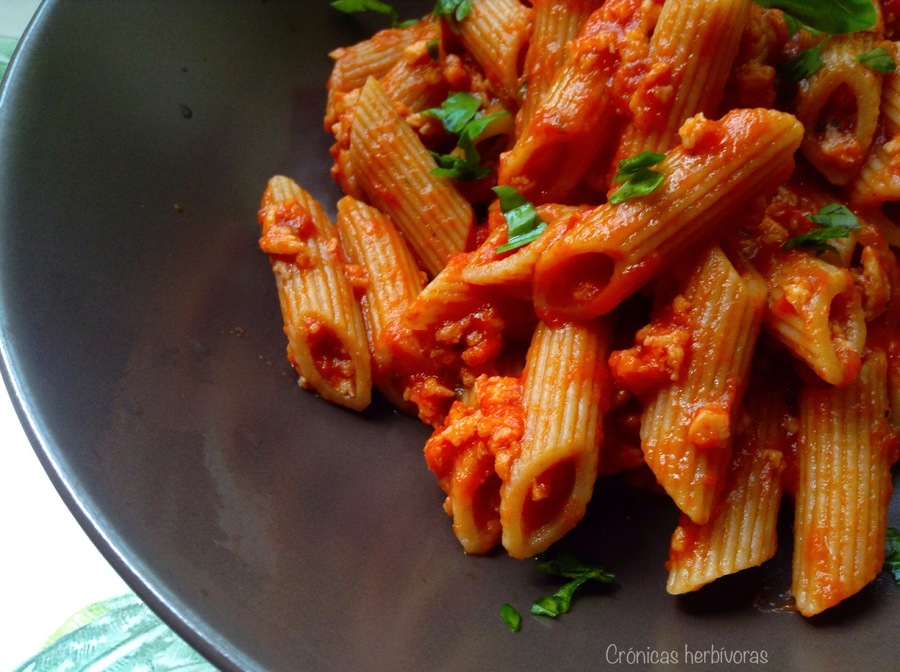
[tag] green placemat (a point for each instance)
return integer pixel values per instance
(7, 47)
(117, 635)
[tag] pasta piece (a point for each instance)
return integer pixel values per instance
(681, 84)
(690, 367)
(476, 440)
(814, 308)
(753, 80)
(394, 169)
(415, 82)
(741, 531)
(720, 168)
(326, 336)
(556, 23)
(393, 281)
(496, 33)
(573, 123)
(512, 270)
(566, 391)
(845, 453)
(370, 58)
(838, 106)
(468, 331)
(879, 177)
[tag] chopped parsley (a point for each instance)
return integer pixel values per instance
(833, 221)
(511, 617)
(377, 6)
(879, 60)
(461, 117)
(434, 49)
(522, 221)
(638, 179)
(452, 11)
(568, 566)
(804, 64)
(892, 554)
(846, 16)
(571, 567)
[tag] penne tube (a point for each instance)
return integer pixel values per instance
(394, 170)
(742, 530)
(374, 57)
(556, 23)
(392, 282)
(566, 391)
(705, 338)
(879, 177)
(813, 307)
(838, 106)
(322, 320)
(845, 451)
(718, 170)
(511, 271)
(496, 34)
(476, 440)
(692, 50)
(573, 123)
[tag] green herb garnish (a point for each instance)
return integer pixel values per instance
(455, 112)
(571, 567)
(638, 179)
(377, 6)
(879, 60)
(892, 554)
(522, 220)
(460, 116)
(833, 221)
(453, 11)
(804, 64)
(434, 49)
(835, 16)
(511, 617)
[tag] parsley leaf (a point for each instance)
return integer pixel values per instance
(460, 116)
(638, 179)
(892, 554)
(434, 49)
(452, 11)
(571, 567)
(833, 221)
(511, 617)
(522, 219)
(879, 60)
(846, 16)
(804, 64)
(455, 112)
(377, 6)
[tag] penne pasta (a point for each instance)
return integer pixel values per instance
(394, 169)
(708, 180)
(392, 281)
(322, 321)
(845, 453)
(838, 106)
(742, 530)
(679, 84)
(565, 393)
(496, 34)
(649, 242)
(705, 338)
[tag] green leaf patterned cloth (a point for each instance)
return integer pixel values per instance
(7, 47)
(117, 635)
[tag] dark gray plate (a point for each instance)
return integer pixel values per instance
(142, 344)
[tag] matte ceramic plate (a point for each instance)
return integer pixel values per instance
(142, 343)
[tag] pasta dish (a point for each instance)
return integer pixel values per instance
(652, 238)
